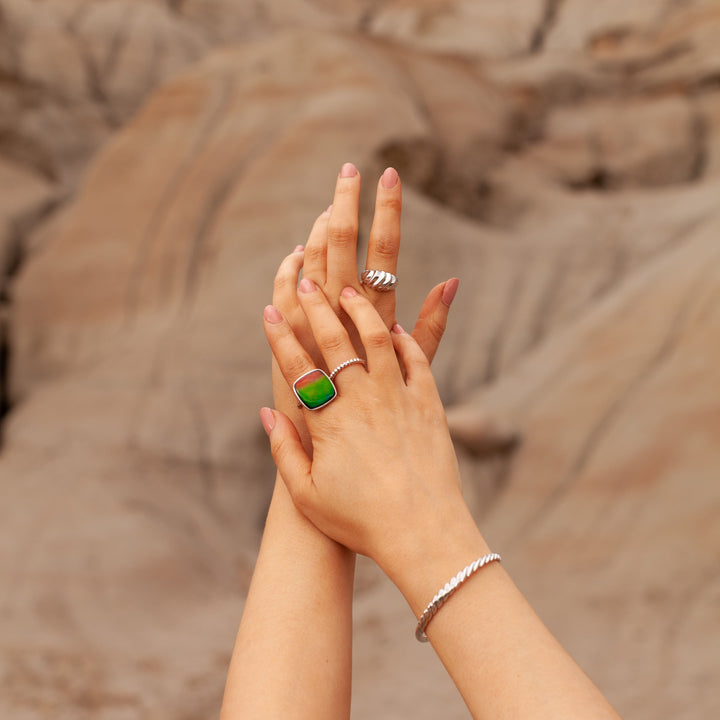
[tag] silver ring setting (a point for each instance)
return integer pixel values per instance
(379, 280)
(347, 363)
(314, 389)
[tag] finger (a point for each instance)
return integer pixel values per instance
(342, 231)
(292, 359)
(329, 333)
(414, 360)
(289, 455)
(373, 333)
(432, 321)
(384, 241)
(315, 265)
(286, 279)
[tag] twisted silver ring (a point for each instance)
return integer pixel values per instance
(379, 280)
(342, 366)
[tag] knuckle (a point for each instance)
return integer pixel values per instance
(386, 245)
(295, 367)
(283, 282)
(377, 339)
(315, 254)
(331, 340)
(343, 233)
(392, 202)
(436, 326)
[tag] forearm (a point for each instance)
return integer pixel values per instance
(500, 655)
(295, 633)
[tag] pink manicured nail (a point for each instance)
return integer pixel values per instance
(348, 170)
(329, 208)
(389, 178)
(299, 248)
(267, 418)
(272, 314)
(397, 329)
(448, 293)
(349, 292)
(307, 285)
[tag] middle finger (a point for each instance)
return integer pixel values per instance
(330, 335)
(342, 232)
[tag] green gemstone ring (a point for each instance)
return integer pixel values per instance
(314, 389)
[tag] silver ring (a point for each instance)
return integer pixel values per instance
(342, 366)
(380, 280)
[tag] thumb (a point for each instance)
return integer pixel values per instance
(430, 326)
(288, 453)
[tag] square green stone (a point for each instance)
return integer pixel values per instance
(314, 389)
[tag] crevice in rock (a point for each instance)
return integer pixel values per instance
(94, 73)
(597, 179)
(467, 189)
(10, 264)
(547, 22)
(700, 140)
(5, 354)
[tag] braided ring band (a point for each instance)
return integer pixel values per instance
(380, 280)
(342, 366)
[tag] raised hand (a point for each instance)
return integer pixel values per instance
(383, 481)
(330, 260)
(383, 478)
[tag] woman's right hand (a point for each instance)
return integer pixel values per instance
(329, 259)
(383, 478)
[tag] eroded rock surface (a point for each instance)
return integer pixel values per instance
(562, 158)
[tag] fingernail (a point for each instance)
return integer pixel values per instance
(299, 248)
(349, 292)
(307, 285)
(389, 178)
(272, 314)
(397, 329)
(267, 418)
(448, 293)
(348, 170)
(329, 208)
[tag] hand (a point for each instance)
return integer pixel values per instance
(383, 479)
(329, 259)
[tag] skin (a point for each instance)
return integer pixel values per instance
(383, 480)
(296, 628)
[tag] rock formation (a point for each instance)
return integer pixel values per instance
(157, 161)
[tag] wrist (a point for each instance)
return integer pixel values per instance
(432, 552)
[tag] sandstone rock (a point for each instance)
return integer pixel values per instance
(620, 143)
(578, 23)
(618, 448)
(569, 182)
(487, 29)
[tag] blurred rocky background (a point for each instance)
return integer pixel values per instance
(158, 159)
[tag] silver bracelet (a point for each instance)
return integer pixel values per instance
(444, 593)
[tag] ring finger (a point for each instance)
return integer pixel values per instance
(331, 337)
(315, 265)
(384, 240)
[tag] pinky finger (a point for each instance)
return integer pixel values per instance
(414, 360)
(286, 280)
(431, 322)
(288, 453)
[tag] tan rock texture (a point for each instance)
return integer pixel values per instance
(157, 160)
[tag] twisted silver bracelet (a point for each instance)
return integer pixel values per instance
(444, 593)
